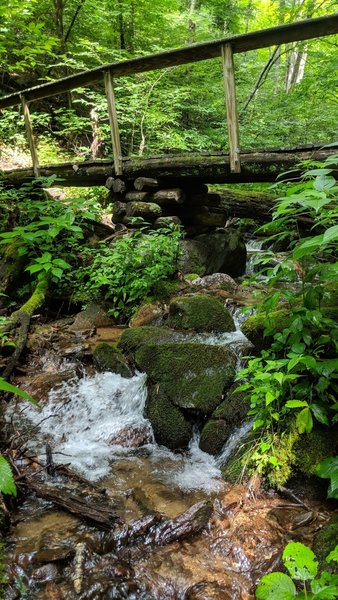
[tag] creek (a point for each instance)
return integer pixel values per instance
(94, 422)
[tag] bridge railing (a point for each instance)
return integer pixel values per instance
(224, 48)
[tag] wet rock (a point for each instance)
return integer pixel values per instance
(40, 385)
(147, 314)
(208, 590)
(108, 357)
(93, 316)
(170, 426)
(48, 572)
(134, 338)
(221, 252)
(253, 327)
(216, 281)
(214, 435)
(133, 437)
(201, 313)
(191, 375)
(312, 448)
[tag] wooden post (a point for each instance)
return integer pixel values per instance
(30, 136)
(114, 127)
(231, 107)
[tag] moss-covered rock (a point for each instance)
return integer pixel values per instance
(134, 338)
(200, 312)
(223, 251)
(191, 375)
(147, 314)
(171, 428)
(253, 327)
(213, 436)
(313, 447)
(325, 541)
(164, 289)
(108, 357)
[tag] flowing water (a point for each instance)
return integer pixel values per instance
(94, 422)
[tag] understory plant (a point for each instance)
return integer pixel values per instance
(303, 581)
(294, 383)
(123, 273)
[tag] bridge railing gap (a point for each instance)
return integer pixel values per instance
(226, 47)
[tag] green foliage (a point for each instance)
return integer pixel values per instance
(294, 383)
(302, 566)
(7, 484)
(123, 273)
(328, 469)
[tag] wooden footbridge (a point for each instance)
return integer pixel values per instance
(234, 166)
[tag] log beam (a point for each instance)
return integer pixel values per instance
(231, 107)
(30, 136)
(114, 126)
(177, 170)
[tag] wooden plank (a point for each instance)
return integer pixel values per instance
(292, 32)
(179, 170)
(231, 107)
(30, 136)
(114, 126)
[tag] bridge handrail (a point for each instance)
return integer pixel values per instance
(282, 34)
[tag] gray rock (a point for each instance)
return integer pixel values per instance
(221, 252)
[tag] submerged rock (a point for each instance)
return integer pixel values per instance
(192, 376)
(221, 252)
(108, 357)
(200, 312)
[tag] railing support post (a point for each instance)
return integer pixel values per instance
(30, 136)
(114, 127)
(231, 107)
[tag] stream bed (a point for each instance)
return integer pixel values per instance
(94, 423)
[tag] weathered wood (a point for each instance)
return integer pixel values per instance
(231, 107)
(114, 127)
(119, 211)
(146, 210)
(282, 34)
(169, 197)
(85, 503)
(256, 166)
(118, 186)
(145, 184)
(134, 196)
(30, 136)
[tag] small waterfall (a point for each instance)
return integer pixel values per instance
(232, 443)
(253, 248)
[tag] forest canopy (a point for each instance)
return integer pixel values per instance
(286, 94)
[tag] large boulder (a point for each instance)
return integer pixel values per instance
(170, 426)
(201, 313)
(134, 338)
(223, 251)
(224, 420)
(192, 376)
(108, 357)
(214, 282)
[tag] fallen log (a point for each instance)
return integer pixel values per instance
(169, 197)
(256, 166)
(86, 502)
(145, 184)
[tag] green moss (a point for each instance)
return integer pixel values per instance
(253, 327)
(313, 447)
(325, 541)
(164, 289)
(191, 375)
(171, 428)
(134, 338)
(214, 435)
(200, 312)
(108, 357)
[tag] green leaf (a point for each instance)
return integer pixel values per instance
(8, 387)
(320, 413)
(300, 561)
(7, 483)
(331, 234)
(276, 586)
(328, 469)
(304, 421)
(333, 555)
(324, 182)
(296, 403)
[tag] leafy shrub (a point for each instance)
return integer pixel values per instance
(302, 566)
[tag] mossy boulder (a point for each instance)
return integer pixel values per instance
(134, 338)
(222, 251)
(224, 420)
(313, 447)
(253, 327)
(325, 541)
(170, 426)
(108, 357)
(213, 436)
(201, 313)
(192, 376)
